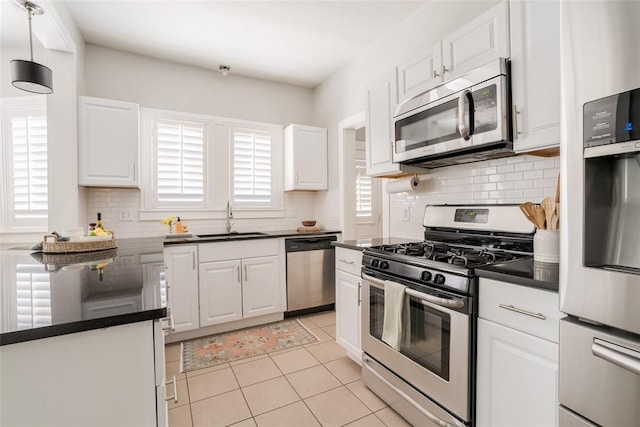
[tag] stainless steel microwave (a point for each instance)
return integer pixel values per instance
(463, 120)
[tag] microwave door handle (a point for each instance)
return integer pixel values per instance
(462, 126)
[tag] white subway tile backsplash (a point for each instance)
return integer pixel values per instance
(510, 180)
(533, 174)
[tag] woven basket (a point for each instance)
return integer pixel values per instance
(50, 245)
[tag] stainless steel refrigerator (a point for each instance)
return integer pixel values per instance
(599, 364)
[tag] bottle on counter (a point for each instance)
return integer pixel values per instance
(179, 226)
(99, 222)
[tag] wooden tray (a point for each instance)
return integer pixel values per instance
(313, 229)
(50, 245)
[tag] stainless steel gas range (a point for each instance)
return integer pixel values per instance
(431, 378)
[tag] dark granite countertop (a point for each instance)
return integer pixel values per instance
(220, 237)
(46, 295)
(525, 272)
(360, 244)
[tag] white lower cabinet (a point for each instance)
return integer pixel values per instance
(104, 377)
(238, 289)
(348, 301)
(517, 359)
(181, 263)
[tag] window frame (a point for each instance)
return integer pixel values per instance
(11, 107)
(218, 168)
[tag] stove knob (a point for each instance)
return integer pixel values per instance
(439, 279)
(384, 264)
(426, 276)
(374, 263)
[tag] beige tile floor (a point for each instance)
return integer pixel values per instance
(311, 385)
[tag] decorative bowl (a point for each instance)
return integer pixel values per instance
(309, 223)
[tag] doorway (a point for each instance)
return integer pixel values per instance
(360, 194)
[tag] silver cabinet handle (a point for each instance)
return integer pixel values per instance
(444, 70)
(345, 261)
(437, 421)
(193, 259)
(521, 311)
(435, 75)
(246, 275)
(516, 132)
(359, 293)
(238, 271)
(175, 390)
(134, 171)
(623, 357)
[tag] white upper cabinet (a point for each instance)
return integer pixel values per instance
(381, 101)
(108, 143)
(535, 68)
(305, 158)
(481, 40)
(420, 73)
(476, 43)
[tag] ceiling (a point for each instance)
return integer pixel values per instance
(299, 42)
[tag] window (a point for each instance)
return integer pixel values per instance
(252, 159)
(174, 161)
(363, 191)
(24, 125)
(180, 162)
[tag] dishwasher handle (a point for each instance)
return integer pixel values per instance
(309, 244)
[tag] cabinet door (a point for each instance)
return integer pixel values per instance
(305, 158)
(182, 286)
(420, 73)
(382, 98)
(220, 292)
(517, 378)
(535, 67)
(483, 39)
(261, 287)
(108, 135)
(348, 313)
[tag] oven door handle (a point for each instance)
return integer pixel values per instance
(406, 397)
(424, 298)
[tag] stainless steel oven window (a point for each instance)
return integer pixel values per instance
(429, 341)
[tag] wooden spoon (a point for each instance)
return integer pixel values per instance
(528, 212)
(556, 217)
(538, 214)
(549, 206)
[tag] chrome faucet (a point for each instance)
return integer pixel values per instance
(229, 224)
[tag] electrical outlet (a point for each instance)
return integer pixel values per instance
(126, 214)
(406, 213)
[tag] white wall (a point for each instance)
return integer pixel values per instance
(167, 85)
(343, 95)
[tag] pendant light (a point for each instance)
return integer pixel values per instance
(28, 75)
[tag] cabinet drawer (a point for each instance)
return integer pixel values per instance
(349, 260)
(532, 311)
(221, 251)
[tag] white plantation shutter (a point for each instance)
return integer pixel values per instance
(25, 192)
(180, 167)
(33, 296)
(29, 146)
(252, 167)
(364, 199)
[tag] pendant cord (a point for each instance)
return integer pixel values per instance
(30, 36)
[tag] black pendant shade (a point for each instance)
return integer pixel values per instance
(28, 75)
(31, 76)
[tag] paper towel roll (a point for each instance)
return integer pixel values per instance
(402, 185)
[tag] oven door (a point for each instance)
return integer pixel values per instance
(472, 117)
(436, 360)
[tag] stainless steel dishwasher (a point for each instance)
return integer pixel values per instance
(310, 274)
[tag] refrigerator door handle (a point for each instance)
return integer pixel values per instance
(623, 357)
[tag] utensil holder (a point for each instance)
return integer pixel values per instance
(546, 246)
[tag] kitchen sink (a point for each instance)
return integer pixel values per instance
(231, 235)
